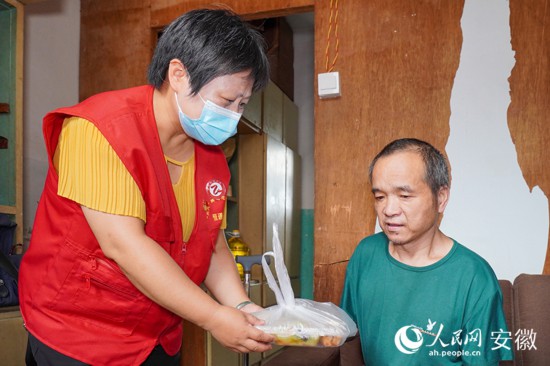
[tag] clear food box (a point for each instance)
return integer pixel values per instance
(307, 323)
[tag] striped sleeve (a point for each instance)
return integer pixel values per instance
(92, 174)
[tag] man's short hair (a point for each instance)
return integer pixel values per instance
(436, 168)
(210, 43)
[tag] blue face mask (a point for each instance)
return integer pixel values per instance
(215, 125)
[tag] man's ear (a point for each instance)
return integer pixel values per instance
(443, 198)
(177, 76)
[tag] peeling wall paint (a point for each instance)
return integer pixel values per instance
(491, 210)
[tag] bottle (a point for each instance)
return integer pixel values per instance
(238, 247)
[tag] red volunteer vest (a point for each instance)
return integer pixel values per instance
(72, 297)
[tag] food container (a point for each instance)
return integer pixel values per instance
(300, 322)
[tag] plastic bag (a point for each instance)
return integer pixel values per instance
(300, 322)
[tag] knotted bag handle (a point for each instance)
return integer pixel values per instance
(283, 292)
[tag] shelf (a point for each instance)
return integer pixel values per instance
(8, 209)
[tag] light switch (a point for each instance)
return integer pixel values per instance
(328, 84)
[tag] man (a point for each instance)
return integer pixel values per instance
(418, 296)
(131, 220)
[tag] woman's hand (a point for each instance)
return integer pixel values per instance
(251, 308)
(235, 330)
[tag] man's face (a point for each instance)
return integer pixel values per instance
(405, 206)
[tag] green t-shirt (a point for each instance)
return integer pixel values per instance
(447, 313)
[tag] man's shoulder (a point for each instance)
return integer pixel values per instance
(468, 255)
(370, 246)
(473, 263)
(372, 242)
(368, 256)
(376, 239)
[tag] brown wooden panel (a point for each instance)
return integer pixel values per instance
(118, 36)
(28, 2)
(528, 117)
(115, 45)
(397, 61)
(193, 350)
(328, 284)
(164, 11)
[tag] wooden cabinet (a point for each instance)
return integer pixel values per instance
(268, 176)
(273, 111)
(279, 115)
(11, 112)
(252, 116)
(13, 337)
(290, 123)
(269, 193)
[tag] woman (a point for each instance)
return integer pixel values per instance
(131, 219)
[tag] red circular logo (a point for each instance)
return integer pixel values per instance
(215, 188)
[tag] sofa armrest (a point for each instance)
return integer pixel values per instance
(507, 305)
(532, 314)
(507, 300)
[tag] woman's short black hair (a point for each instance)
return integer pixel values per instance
(210, 43)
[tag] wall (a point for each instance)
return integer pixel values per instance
(443, 71)
(52, 31)
(139, 22)
(302, 26)
(490, 197)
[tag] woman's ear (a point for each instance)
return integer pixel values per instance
(177, 76)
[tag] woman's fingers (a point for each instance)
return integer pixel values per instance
(253, 319)
(235, 329)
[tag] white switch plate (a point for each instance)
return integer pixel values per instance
(328, 84)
